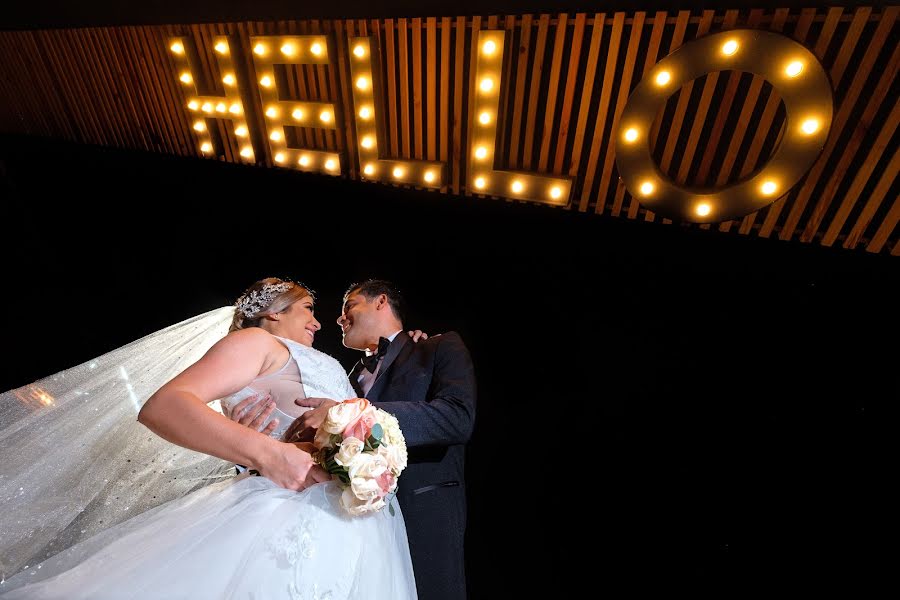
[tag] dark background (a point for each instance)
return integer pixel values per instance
(660, 408)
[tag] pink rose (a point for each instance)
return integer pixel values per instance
(361, 426)
(386, 481)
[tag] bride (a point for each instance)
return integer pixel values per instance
(280, 535)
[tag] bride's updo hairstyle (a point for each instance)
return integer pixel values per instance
(266, 297)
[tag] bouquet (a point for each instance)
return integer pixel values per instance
(363, 448)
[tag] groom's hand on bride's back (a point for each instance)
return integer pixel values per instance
(252, 412)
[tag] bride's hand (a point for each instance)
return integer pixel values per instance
(292, 468)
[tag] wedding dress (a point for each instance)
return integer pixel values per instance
(241, 537)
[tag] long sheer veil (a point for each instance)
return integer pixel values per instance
(75, 461)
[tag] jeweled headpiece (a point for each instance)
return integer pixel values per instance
(252, 303)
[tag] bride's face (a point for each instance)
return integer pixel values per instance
(298, 322)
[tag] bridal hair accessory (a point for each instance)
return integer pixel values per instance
(363, 448)
(256, 301)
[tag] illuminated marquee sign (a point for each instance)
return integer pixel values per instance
(792, 69)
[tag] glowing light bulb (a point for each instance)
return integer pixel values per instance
(489, 47)
(367, 142)
(240, 131)
(703, 209)
(398, 172)
(235, 109)
(289, 49)
(304, 161)
(729, 48)
(199, 126)
(480, 183)
(325, 116)
(517, 186)
(193, 105)
(484, 118)
(330, 164)
(362, 83)
(206, 147)
(275, 136)
(369, 169)
(207, 107)
(259, 49)
(185, 78)
(177, 48)
(220, 107)
(768, 188)
(247, 152)
(297, 114)
(365, 112)
(316, 48)
(794, 68)
(359, 50)
(429, 176)
(810, 126)
(647, 188)
(266, 81)
(222, 48)
(229, 79)
(481, 153)
(631, 135)
(487, 84)
(556, 192)
(663, 78)
(279, 158)
(271, 112)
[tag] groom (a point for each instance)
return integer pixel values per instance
(430, 387)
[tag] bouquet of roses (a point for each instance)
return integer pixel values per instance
(363, 447)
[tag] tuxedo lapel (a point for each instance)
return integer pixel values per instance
(354, 379)
(392, 353)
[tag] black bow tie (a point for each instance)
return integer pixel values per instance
(370, 362)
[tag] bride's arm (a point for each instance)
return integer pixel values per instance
(178, 412)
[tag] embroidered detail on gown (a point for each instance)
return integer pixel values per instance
(244, 538)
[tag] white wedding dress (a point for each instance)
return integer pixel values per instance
(242, 538)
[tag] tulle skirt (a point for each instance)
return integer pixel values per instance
(246, 538)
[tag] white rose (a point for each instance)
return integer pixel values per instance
(365, 465)
(365, 489)
(395, 456)
(350, 447)
(322, 439)
(356, 507)
(393, 436)
(340, 415)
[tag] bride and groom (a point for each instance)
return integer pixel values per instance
(284, 534)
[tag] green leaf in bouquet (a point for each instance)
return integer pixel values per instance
(377, 432)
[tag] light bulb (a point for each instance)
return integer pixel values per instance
(729, 47)
(177, 48)
(487, 84)
(647, 188)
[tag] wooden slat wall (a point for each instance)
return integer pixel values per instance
(567, 79)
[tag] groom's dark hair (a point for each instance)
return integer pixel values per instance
(372, 288)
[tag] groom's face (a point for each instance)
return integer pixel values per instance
(358, 321)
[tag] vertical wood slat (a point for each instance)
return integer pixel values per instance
(552, 93)
(599, 138)
(90, 89)
(459, 66)
(801, 197)
(70, 113)
(507, 88)
(403, 75)
(391, 88)
(537, 69)
(637, 26)
(56, 113)
(888, 176)
(140, 101)
(343, 31)
(587, 88)
(472, 66)
(569, 95)
(848, 150)
(174, 133)
(445, 115)
(866, 168)
(417, 86)
(659, 26)
(431, 91)
(518, 103)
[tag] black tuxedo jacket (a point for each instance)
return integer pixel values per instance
(430, 387)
